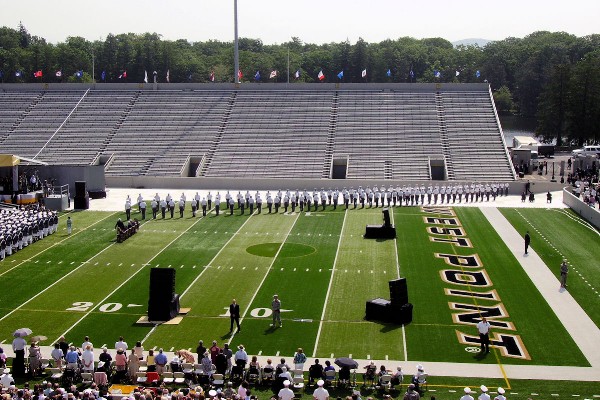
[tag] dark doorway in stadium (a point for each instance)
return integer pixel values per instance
(339, 167)
(438, 169)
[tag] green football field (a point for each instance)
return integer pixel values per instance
(322, 269)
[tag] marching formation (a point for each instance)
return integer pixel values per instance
(21, 227)
(311, 201)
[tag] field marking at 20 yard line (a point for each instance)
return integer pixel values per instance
(202, 272)
(265, 277)
(55, 244)
(62, 277)
(337, 251)
(144, 265)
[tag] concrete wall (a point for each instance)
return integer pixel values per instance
(592, 215)
(68, 174)
(290, 183)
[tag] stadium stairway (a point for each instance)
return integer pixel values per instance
(219, 137)
(331, 137)
(439, 105)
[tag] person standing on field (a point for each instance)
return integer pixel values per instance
(564, 270)
(69, 225)
(276, 308)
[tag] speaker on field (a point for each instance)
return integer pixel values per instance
(81, 203)
(398, 292)
(386, 218)
(163, 303)
(80, 189)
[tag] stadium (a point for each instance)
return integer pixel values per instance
(251, 138)
(376, 226)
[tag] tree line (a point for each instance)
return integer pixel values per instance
(553, 76)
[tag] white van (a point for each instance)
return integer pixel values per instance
(587, 151)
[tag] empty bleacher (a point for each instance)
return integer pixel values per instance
(13, 107)
(383, 131)
(163, 128)
(475, 143)
(40, 122)
(88, 128)
(387, 135)
(274, 134)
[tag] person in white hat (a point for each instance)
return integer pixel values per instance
(467, 395)
(484, 393)
(320, 392)
(286, 393)
(500, 394)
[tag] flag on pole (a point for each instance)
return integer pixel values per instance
(297, 74)
(79, 74)
(256, 76)
(168, 76)
(37, 74)
(437, 73)
(411, 73)
(389, 73)
(273, 74)
(240, 75)
(1, 74)
(364, 73)
(321, 76)
(457, 73)
(18, 74)
(340, 75)
(103, 76)
(477, 73)
(58, 74)
(145, 76)
(212, 76)
(123, 75)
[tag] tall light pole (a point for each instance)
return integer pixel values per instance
(236, 55)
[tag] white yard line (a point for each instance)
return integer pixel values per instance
(61, 278)
(264, 277)
(127, 280)
(404, 349)
(55, 244)
(337, 251)
(201, 272)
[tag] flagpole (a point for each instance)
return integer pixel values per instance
(236, 56)
(288, 67)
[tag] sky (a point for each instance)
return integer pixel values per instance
(312, 21)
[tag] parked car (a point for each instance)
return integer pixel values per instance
(587, 151)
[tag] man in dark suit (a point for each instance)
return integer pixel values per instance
(234, 315)
(527, 241)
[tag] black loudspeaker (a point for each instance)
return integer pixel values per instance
(398, 292)
(80, 189)
(378, 310)
(405, 315)
(162, 282)
(386, 218)
(81, 203)
(163, 303)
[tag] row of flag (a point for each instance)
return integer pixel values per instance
(257, 76)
